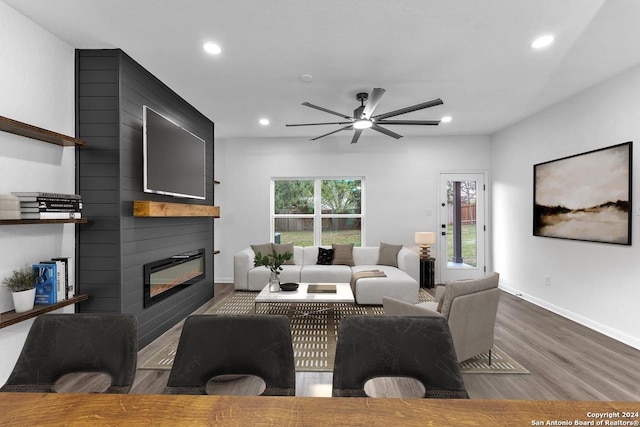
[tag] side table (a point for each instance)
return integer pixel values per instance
(427, 276)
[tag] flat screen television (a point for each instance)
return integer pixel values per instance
(174, 158)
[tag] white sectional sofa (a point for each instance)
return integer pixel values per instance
(401, 282)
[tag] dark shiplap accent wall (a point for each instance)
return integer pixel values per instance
(111, 89)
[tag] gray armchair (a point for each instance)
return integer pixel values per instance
(470, 307)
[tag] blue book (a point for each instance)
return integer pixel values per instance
(46, 283)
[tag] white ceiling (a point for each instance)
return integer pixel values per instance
(474, 54)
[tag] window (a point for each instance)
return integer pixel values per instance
(320, 211)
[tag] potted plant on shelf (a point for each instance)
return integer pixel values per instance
(273, 262)
(22, 284)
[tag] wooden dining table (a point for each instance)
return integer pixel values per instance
(36, 409)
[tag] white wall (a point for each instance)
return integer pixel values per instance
(400, 183)
(595, 284)
(37, 87)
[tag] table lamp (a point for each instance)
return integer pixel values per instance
(425, 238)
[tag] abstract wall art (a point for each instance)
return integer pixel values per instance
(586, 196)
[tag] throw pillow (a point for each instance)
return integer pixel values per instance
(282, 248)
(388, 254)
(325, 256)
(264, 249)
(343, 254)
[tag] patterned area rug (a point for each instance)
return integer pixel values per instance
(314, 337)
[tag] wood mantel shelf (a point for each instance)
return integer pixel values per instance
(30, 131)
(148, 208)
(11, 317)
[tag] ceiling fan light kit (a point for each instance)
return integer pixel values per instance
(363, 117)
(362, 124)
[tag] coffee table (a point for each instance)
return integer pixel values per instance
(343, 294)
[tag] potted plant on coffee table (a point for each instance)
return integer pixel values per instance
(22, 284)
(273, 262)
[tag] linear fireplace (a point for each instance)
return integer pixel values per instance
(166, 277)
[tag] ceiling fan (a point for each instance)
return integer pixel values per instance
(363, 117)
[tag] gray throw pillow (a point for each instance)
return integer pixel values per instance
(388, 254)
(264, 249)
(282, 248)
(343, 254)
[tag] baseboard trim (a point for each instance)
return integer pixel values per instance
(596, 326)
(223, 280)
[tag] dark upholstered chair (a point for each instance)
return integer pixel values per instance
(60, 344)
(215, 345)
(384, 346)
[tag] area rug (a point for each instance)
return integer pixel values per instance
(501, 363)
(314, 338)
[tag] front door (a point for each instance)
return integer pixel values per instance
(461, 241)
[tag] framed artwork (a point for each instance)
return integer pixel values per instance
(585, 197)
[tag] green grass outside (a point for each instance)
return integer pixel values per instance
(305, 238)
(469, 244)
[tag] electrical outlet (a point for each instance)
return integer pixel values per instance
(547, 280)
(429, 212)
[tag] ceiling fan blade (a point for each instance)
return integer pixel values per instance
(306, 104)
(409, 122)
(315, 124)
(386, 131)
(417, 107)
(372, 103)
(331, 133)
(356, 136)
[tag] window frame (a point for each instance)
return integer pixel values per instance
(318, 216)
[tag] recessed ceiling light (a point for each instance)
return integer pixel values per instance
(306, 78)
(542, 42)
(212, 48)
(445, 119)
(264, 122)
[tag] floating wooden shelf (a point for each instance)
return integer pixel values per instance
(11, 317)
(30, 131)
(148, 208)
(43, 221)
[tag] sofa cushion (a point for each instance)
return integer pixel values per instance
(325, 256)
(388, 254)
(397, 284)
(463, 287)
(343, 254)
(325, 274)
(284, 248)
(367, 255)
(263, 248)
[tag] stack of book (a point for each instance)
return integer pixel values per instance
(40, 205)
(9, 207)
(54, 280)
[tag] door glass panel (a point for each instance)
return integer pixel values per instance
(462, 230)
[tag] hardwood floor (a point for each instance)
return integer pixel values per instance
(567, 362)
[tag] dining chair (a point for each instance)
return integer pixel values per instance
(61, 344)
(421, 348)
(213, 346)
